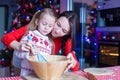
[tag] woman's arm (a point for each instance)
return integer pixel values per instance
(58, 44)
(11, 40)
(22, 45)
(74, 62)
(15, 45)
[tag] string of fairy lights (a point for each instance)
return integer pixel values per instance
(26, 9)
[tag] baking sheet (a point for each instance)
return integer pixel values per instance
(99, 71)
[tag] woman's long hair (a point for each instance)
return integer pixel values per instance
(73, 22)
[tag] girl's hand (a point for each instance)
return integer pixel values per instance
(71, 62)
(29, 46)
(34, 50)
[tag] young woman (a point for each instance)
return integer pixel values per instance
(37, 35)
(63, 35)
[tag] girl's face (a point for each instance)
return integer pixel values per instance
(61, 27)
(45, 24)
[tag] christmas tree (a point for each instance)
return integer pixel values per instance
(26, 9)
(5, 57)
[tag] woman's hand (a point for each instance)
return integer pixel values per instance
(71, 62)
(26, 46)
(20, 46)
(23, 46)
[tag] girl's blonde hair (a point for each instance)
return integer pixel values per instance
(32, 26)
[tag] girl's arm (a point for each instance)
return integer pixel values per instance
(11, 40)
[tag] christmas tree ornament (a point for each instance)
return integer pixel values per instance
(27, 18)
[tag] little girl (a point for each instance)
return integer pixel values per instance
(37, 35)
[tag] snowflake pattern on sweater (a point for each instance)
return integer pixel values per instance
(43, 44)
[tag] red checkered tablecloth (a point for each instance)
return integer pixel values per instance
(115, 76)
(12, 78)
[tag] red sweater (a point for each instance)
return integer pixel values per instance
(17, 35)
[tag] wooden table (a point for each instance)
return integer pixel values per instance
(65, 76)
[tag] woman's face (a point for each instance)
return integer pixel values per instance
(61, 27)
